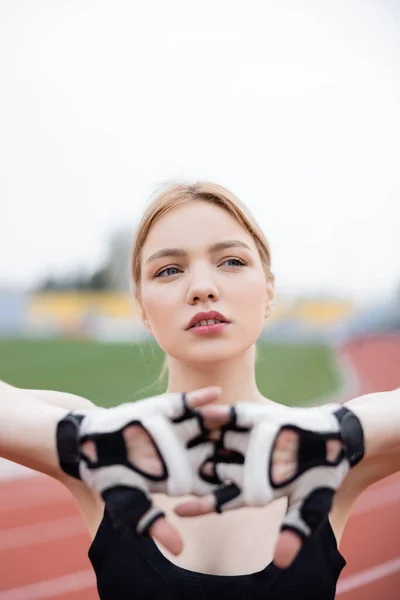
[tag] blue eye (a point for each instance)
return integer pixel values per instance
(167, 272)
(238, 262)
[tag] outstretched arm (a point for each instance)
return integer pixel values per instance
(28, 420)
(124, 453)
(62, 399)
(379, 414)
(304, 454)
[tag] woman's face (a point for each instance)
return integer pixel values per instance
(197, 259)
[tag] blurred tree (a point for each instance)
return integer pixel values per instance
(117, 267)
(98, 280)
(113, 274)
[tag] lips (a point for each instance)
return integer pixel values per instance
(205, 316)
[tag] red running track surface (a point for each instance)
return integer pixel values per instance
(43, 543)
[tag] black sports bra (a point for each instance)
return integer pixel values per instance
(133, 567)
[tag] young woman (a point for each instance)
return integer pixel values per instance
(202, 273)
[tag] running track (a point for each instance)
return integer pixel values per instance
(43, 542)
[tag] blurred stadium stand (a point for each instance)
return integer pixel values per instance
(113, 315)
(14, 308)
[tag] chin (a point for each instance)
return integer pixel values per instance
(211, 352)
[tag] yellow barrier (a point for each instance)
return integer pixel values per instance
(69, 307)
(322, 311)
(72, 307)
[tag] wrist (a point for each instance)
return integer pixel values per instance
(352, 435)
(67, 442)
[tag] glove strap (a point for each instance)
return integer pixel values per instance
(225, 493)
(67, 436)
(352, 435)
(130, 509)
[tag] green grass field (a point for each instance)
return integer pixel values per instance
(109, 374)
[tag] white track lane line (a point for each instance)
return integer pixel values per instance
(39, 533)
(368, 576)
(52, 588)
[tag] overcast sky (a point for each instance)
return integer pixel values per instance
(293, 106)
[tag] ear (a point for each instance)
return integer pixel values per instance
(148, 326)
(145, 320)
(270, 297)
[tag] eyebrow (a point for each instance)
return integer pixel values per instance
(212, 249)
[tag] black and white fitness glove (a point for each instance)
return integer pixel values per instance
(128, 465)
(267, 452)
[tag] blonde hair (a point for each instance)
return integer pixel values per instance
(176, 194)
(171, 196)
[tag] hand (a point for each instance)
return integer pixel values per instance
(267, 452)
(127, 452)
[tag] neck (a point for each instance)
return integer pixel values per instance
(236, 377)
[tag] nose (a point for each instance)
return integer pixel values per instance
(202, 287)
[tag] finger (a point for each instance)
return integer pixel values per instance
(287, 440)
(302, 519)
(287, 548)
(89, 450)
(226, 496)
(333, 450)
(203, 396)
(182, 407)
(196, 507)
(281, 472)
(165, 533)
(141, 452)
(215, 415)
(217, 471)
(284, 461)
